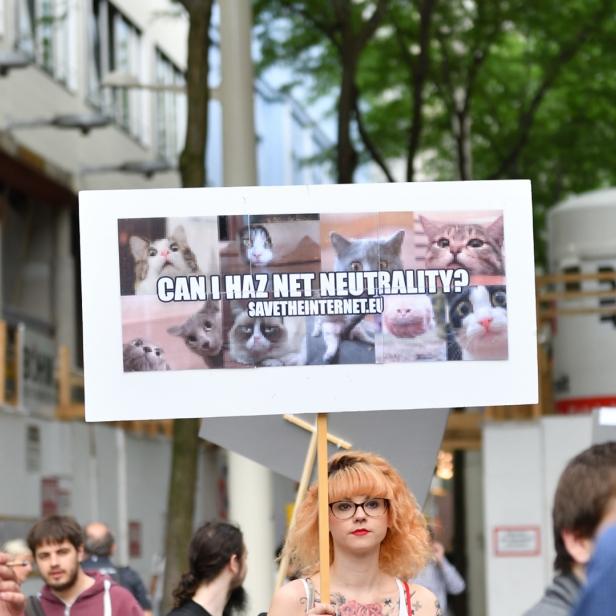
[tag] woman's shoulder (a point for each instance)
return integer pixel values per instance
(424, 602)
(289, 599)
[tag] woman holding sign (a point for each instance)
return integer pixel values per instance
(378, 540)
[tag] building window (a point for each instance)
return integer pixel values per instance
(170, 109)
(46, 30)
(115, 46)
(124, 57)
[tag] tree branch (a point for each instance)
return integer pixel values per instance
(528, 115)
(369, 143)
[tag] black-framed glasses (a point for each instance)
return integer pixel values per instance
(373, 507)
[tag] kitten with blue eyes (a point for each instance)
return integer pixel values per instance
(168, 256)
(256, 245)
(267, 341)
(139, 355)
(355, 255)
(478, 324)
(202, 333)
(476, 248)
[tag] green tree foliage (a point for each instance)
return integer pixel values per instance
(469, 89)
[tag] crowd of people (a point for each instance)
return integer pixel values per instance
(384, 559)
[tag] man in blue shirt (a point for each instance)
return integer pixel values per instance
(440, 576)
(599, 595)
(100, 546)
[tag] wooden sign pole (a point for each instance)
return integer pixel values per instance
(323, 505)
(305, 479)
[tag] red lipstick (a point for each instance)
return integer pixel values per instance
(360, 532)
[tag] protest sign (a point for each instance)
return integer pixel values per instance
(248, 301)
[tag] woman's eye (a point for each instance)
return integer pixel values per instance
(372, 504)
(356, 266)
(174, 247)
(152, 252)
(475, 243)
(443, 242)
(383, 265)
(344, 506)
(499, 299)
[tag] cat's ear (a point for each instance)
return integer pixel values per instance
(339, 242)
(395, 241)
(430, 228)
(236, 308)
(210, 307)
(496, 230)
(138, 246)
(176, 330)
(179, 235)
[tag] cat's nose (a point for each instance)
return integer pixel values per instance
(485, 323)
(164, 253)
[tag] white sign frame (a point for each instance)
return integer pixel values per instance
(111, 394)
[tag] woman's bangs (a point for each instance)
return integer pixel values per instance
(356, 480)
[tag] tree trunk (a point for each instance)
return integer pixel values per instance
(185, 447)
(180, 504)
(346, 156)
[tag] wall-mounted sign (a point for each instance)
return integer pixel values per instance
(517, 541)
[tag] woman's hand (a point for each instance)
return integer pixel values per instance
(321, 608)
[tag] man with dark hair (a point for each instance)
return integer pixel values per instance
(100, 547)
(584, 504)
(57, 545)
(217, 568)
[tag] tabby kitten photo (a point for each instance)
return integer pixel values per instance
(256, 245)
(202, 333)
(139, 355)
(170, 256)
(355, 255)
(478, 324)
(267, 341)
(476, 248)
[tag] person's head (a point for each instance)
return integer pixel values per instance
(584, 502)
(57, 545)
(390, 514)
(19, 552)
(99, 541)
(217, 548)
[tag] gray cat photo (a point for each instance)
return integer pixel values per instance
(354, 255)
(266, 341)
(202, 333)
(140, 355)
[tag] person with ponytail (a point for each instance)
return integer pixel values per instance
(378, 540)
(217, 567)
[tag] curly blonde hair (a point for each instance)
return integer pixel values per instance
(406, 547)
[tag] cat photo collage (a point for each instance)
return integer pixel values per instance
(175, 332)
